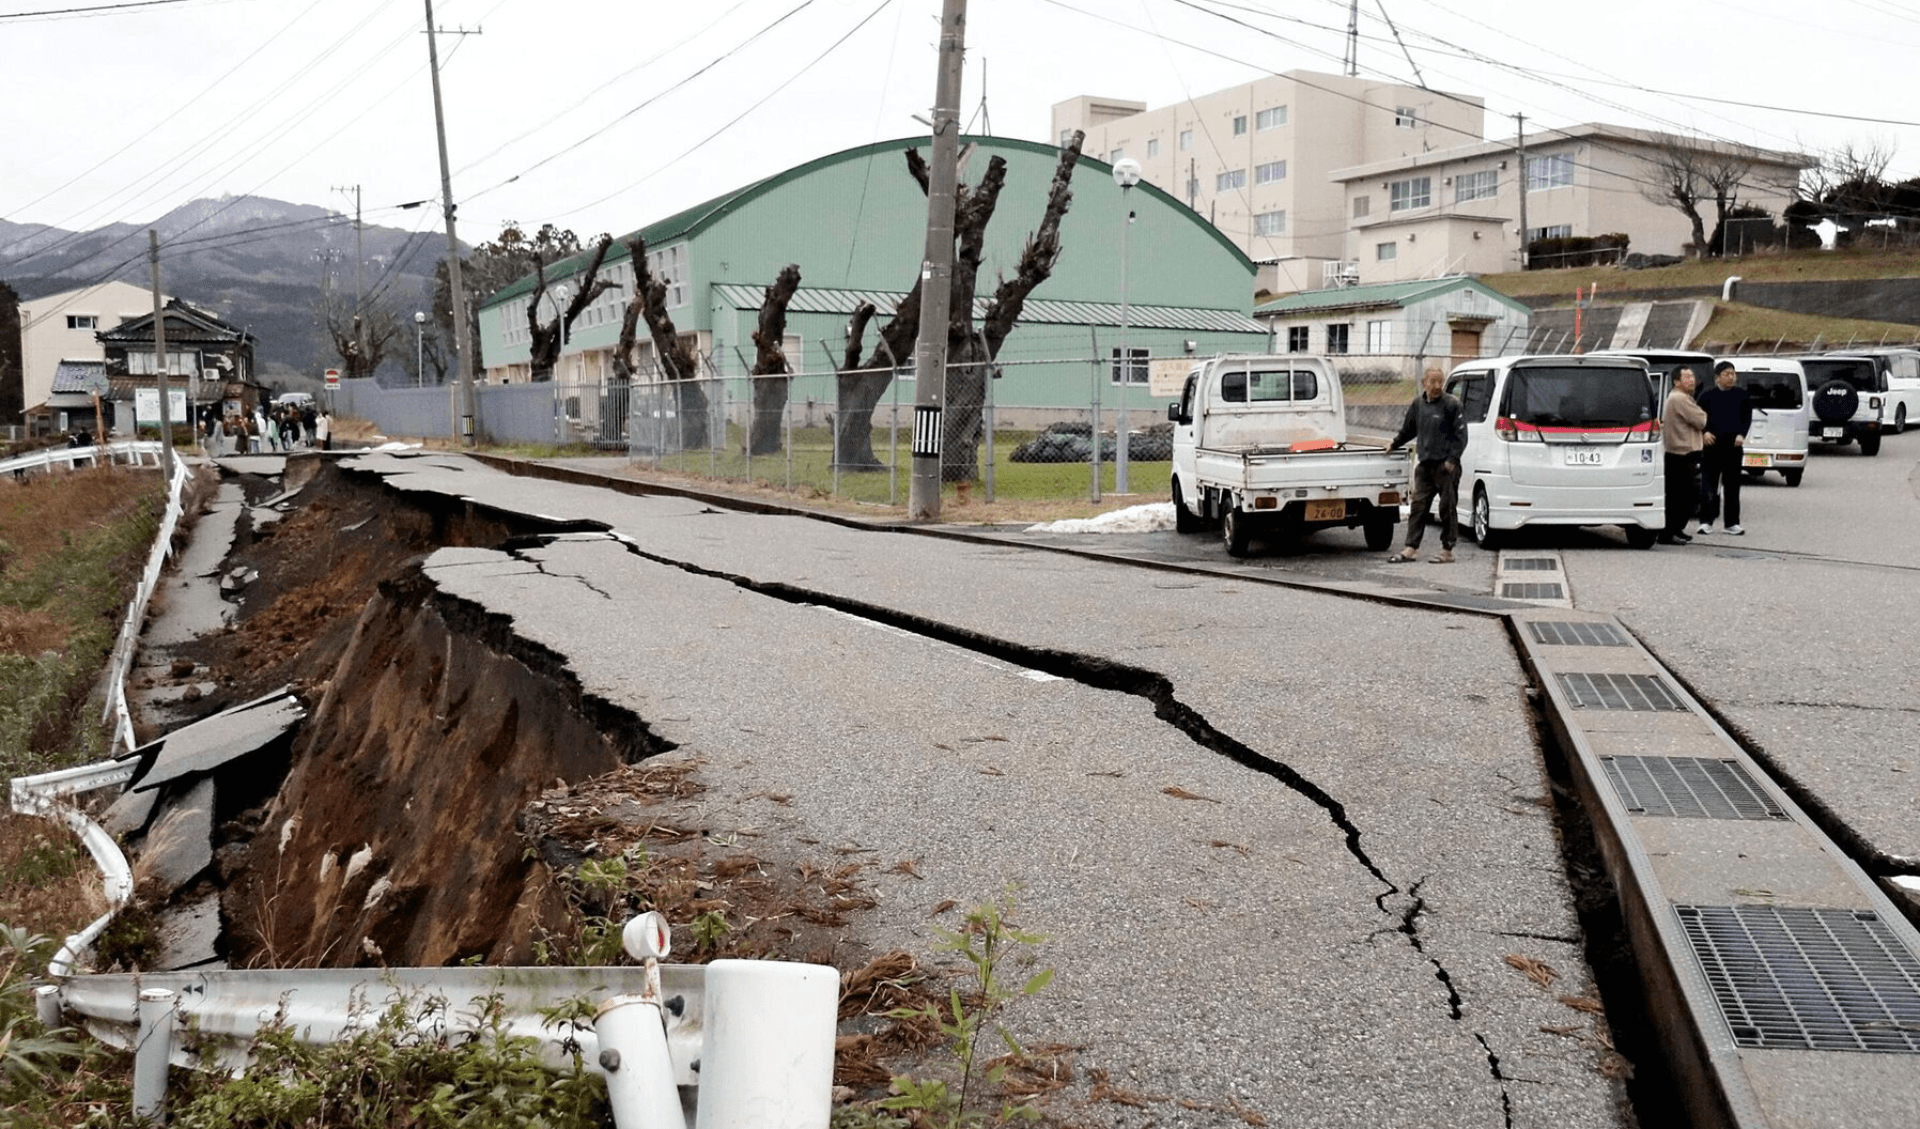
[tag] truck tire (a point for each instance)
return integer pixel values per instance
(1792, 476)
(1870, 444)
(1184, 520)
(1482, 517)
(1233, 531)
(1379, 528)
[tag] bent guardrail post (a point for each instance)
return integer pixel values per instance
(633, 1037)
(153, 1046)
(767, 1061)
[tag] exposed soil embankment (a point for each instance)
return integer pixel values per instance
(393, 839)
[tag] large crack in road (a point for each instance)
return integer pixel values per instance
(1101, 674)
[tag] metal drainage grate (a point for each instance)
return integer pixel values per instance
(1637, 692)
(1574, 634)
(1532, 591)
(1808, 979)
(1689, 788)
(1530, 564)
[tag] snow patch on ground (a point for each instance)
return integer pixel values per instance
(1150, 518)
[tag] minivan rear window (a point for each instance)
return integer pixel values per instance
(1579, 397)
(1774, 391)
(1862, 374)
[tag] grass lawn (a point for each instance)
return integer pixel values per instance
(1795, 266)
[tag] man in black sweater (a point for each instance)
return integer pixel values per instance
(1434, 420)
(1729, 417)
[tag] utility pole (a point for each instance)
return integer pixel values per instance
(936, 271)
(359, 283)
(159, 354)
(1521, 139)
(462, 344)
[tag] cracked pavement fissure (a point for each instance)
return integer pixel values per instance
(1100, 674)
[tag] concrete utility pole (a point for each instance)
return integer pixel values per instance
(359, 280)
(1520, 121)
(462, 344)
(936, 272)
(159, 355)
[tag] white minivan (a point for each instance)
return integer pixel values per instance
(1782, 413)
(1560, 440)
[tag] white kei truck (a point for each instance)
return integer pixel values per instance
(1260, 447)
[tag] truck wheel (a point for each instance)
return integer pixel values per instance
(1483, 531)
(1184, 521)
(1640, 537)
(1233, 531)
(1870, 444)
(1379, 529)
(1792, 476)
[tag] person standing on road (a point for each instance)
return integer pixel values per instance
(1729, 417)
(1682, 435)
(323, 430)
(1439, 431)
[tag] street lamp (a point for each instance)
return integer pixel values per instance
(1126, 174)
(419, 349)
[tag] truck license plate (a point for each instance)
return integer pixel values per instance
(1583, 458)
(1327, 511)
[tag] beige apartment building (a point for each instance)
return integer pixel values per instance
(63, 327)
(1258, 159)
(1457, 210)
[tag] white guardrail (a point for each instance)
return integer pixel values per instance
(141, 452)
(748, 1043)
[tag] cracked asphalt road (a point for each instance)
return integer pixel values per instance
(1283, 841)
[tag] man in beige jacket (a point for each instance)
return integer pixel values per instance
(1682, 424)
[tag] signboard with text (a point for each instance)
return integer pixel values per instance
(1166, 376)
(333, 378)
(146, 406)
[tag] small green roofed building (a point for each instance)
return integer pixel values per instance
(1394, 330)
(855, 224)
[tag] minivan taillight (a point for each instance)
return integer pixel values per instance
(1648, 432)
(1513, 430)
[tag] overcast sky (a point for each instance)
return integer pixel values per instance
(603, 116)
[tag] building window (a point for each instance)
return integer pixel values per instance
(1406, 117)
(1557, 231)
(1386, 252)
(83, 321)
(140, 362)
(1135, 364)
(1379, 337)
(1186, 140)
(1298, 337)
(1239, 125)
(1482, 185)
(1337, 339)
(1270, 173)
(1549, 172)
(669, 265)
(1230, 180)
(1066, 138)
(1116, 156)
(1153, 147)
(1270, 223)
(1416, 192)
(1270, 119)
(1361, 206)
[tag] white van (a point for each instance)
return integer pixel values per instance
(1782, 414)
(1900, 372)
(1560, 440)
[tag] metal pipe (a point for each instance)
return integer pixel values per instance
(152, 1048)
(633, 1054)
(46, 1006)
(768, 1056)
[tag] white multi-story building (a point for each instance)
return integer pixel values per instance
(1458, 210)
(64, 327)
(1257, 159)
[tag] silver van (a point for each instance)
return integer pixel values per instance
(1782, 414)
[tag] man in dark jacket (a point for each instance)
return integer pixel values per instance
(1729, 418)
(1439, 430)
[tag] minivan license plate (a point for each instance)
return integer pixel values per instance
(1583, 458)
(1327, 511)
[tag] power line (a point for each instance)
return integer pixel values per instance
(95, 9)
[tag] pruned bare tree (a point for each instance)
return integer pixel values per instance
(770, 364)
(678, 365)
(545, 336)
(362, 341)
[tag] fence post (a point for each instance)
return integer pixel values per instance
(786, 425)
(893, 441)
(150, 1054)
(1093, 491)
(833, 431)
(988, 410)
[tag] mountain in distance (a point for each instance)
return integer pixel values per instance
(252, 261)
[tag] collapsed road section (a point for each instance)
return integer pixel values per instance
(1295, 855)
